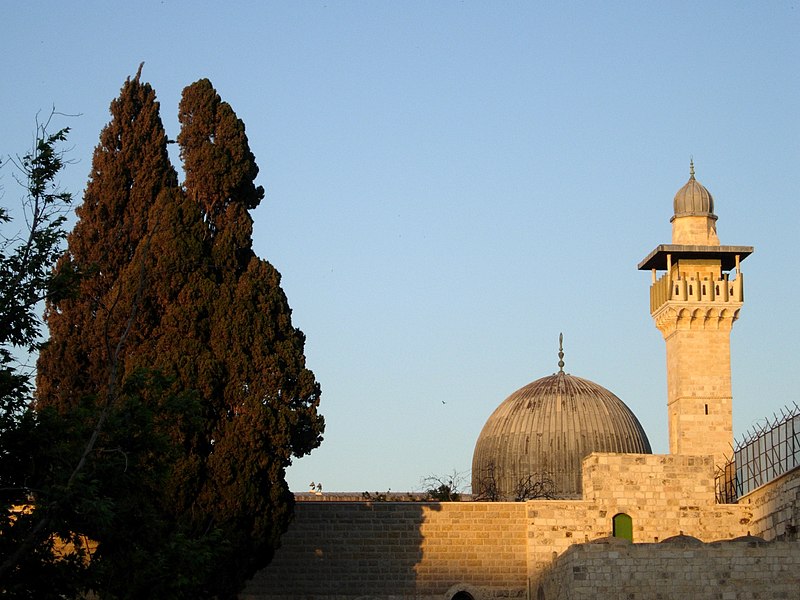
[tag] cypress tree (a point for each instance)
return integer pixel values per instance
(180, 345)
(130, 167)
(266, 408)
(123, 428)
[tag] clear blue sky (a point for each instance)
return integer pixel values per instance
(452, 184)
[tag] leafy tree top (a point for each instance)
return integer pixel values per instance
(219, 166)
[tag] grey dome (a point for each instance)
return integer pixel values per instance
(693, 199)
(546, 429)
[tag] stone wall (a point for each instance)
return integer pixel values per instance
(668, 480)
(721, 571)
(348, 550)
(776, 508)
(664, 495)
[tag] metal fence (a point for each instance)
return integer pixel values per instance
(765, 453)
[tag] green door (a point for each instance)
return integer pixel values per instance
(623, 526)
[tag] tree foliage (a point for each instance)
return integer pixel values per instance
(178, 356)
(39, 556)
(130, 168)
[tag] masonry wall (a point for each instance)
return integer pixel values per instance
(719, 571)
(348, 550)
(776, 508)
(665, 495)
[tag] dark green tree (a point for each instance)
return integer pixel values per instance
(91, 331)
(178, 357)
(123, 425)
(264, 410)
(34, 560)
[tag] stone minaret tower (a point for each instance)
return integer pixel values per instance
(694, 304)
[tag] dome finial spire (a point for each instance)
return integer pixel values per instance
(560, 352)
(691, 167)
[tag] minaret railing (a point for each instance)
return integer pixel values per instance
(722, 290)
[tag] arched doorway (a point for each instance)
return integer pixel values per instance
(462, 595)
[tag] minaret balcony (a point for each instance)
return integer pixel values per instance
(697, 290)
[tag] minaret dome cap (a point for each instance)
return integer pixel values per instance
(693, 199)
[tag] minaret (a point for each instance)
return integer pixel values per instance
(694, 304)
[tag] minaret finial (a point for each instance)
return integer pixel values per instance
(560, 352)
(691, 167)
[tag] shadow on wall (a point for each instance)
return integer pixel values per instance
(347, 549)
(351, 550)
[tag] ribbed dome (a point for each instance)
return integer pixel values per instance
(693, 199)
(545, 430)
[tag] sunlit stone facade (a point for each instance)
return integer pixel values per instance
(643, 526)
